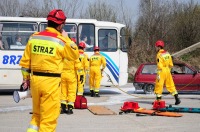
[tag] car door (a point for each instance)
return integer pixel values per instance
(184, 78)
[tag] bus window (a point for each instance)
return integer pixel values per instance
(15, 35)
(86, 35)
(107, 39)
(71, 29)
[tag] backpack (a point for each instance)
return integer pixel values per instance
(80, 102)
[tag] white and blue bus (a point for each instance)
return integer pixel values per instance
(15, 32)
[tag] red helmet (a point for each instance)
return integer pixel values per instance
(160, 43)
(82, 44)
(57, 16)
(73, 39)
(96, 48)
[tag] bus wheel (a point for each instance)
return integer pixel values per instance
(149, 89)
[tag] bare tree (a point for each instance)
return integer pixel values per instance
(154, 20)
(100, 10)
(174, 22)
(186, 25)
(70, 7)
(153, 24)
(32, 8)
(40, 8)
(9, 8)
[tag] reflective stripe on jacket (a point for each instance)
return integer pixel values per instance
(46, 50)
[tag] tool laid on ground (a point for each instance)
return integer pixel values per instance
(157, 113)
(180, 109)
(133, 107)
(129, 107)
(100, 110)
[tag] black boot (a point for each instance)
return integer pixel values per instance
(69, 109)
(92, 93)
(96, 94)
(177, 100)
(63, 108)
(158, 98)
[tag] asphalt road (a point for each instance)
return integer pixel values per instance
(15, 117)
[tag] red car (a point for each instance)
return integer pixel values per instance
(185, 77)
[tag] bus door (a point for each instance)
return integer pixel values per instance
(86, 34)
(14, 37)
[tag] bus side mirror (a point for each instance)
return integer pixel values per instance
(129, 41)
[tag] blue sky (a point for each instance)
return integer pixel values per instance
(131, 4)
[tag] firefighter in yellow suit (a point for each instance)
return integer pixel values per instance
(164, 77)
(97, 65)
(71, 70)
(42, 64)
(85, 66)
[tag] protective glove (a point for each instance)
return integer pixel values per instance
(81, 78)
(25, 85)
(102, 72)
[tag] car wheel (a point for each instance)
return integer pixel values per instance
(148, 89)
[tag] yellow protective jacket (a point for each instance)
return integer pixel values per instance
(98, 60)
(72, 65)
(46, 50)
(84, 60)
(164, 60)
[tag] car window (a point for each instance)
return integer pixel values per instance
(177, 69)
(181, 69)
(187, 70)
(149, 69)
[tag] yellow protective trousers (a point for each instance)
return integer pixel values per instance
(95, 78)
(68, 86)
(81, 84)
(45, 93)
(164, 77)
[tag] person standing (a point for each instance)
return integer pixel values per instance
(85, 66)
(42, 64)
(164, 77)
(97, 65)
(71, 70)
